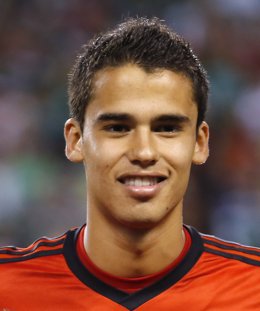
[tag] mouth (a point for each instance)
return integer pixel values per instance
(142, 187)
(141, 181)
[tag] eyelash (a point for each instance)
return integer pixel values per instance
(167, 128)
(163, 129)
(117, 128)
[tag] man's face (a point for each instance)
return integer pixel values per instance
(138, 144)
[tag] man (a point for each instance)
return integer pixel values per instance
(138, 97)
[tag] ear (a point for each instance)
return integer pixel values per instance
(73, 138)
(201, 151)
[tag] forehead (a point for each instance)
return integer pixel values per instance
(131, 87)
(129, 75)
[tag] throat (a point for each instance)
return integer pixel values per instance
(136, 281)
(138, 257)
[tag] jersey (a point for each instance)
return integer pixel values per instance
(48, 275)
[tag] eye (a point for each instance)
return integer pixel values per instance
(117, 128)
(167, 128)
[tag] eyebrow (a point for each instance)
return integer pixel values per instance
(176, 118)
(113, 117)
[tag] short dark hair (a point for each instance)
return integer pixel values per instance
(148, 43)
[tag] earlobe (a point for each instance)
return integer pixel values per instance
(73, 138)
(201, 151)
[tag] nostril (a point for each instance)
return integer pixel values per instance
(144, 163)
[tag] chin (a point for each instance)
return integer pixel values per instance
(142, 221)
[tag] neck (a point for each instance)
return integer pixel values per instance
(130, 252)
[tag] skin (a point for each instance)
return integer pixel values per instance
(137, 125)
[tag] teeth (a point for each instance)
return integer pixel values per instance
(141, 181)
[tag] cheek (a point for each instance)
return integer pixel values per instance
(180, 155)
(101, 158)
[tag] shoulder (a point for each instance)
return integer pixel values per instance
(227, 273)
(42, 247)
(30, 275)
(230, 250)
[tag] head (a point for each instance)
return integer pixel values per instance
(138, 99)
(147, 43)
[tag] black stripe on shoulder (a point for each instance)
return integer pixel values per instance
(233, 256)
(16, 251)
(233, 246)
(31, 256)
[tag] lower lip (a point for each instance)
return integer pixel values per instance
(145, 192)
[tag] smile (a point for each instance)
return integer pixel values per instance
(142, 187)
(138, 181)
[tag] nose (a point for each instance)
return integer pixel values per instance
(143, 150)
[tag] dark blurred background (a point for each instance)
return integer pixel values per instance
(41, 193)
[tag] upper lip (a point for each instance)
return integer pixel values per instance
(160, 176)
